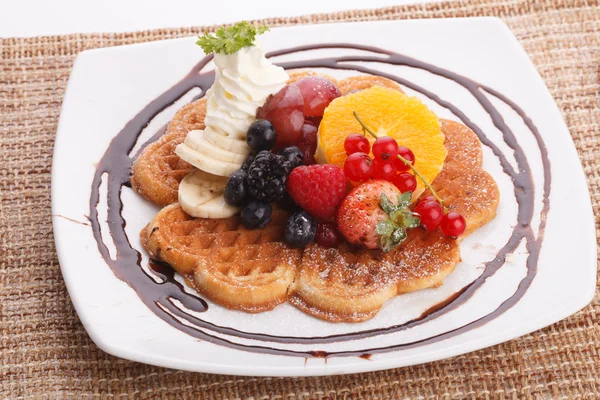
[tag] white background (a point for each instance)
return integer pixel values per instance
(40, 17)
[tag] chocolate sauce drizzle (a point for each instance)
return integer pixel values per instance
(115, 165)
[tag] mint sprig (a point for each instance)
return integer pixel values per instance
(392, 231)
(231, 39)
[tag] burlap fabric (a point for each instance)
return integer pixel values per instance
(44, 350)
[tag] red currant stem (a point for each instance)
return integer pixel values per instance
(406, 162)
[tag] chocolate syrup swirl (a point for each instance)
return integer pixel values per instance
(115, 166)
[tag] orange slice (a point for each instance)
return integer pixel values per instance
(387, 112)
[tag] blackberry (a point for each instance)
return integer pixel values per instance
(248, 162)
(267, 176)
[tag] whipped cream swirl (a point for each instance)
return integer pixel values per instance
(243, 82)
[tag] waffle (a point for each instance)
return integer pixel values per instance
(343, 285)
(254, 271)
(158, 170)
(249, 270)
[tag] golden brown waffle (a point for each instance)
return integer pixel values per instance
(253, 270)
(158, 170)
(350, 286)
(360, 82)
(242, 269)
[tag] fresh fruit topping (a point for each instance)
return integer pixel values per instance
(405, 182)
(408, 155)
(267, 176)
(358, 167)
(389, 113)
(231, 39)
(293, 155)
(327, 235)
(315, 120)
(236, 193)
(308, 142)
(318, 189)
(431, 213)
(453, 224)
(248, 162)
(317, 93)
(285, 110)
(261, 135)
(300, 229)
(376, 215)
(256, 214)
(356, 143)
(385, 148)
(201, 195)
(385, 170)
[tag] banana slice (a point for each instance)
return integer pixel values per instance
(207, 164)
(197, 141)
(201, 196)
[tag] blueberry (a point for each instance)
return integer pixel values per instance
(293, 154)
(256, 214)
(236, 191)
(261, 135)
(300, 230)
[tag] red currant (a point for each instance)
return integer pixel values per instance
(358, 167)
(356, 143)
(385, 148)
(431, 213)
(327, 235)
(385, 170)
(405, 182)
(408, 155)
(453, 224)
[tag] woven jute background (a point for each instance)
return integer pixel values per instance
(44, 350)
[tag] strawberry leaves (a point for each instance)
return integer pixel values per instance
(392, 231)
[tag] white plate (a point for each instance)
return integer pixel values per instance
(110, 86)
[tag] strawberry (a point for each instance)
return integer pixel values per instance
(318, 189)
(375, 215)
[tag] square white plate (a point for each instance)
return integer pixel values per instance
(108, 87)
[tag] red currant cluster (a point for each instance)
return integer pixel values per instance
(432, 216)
(388, 161)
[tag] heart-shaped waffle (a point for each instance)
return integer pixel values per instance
(254, 270)
(158, 170)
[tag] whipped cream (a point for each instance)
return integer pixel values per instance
(243, 82)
